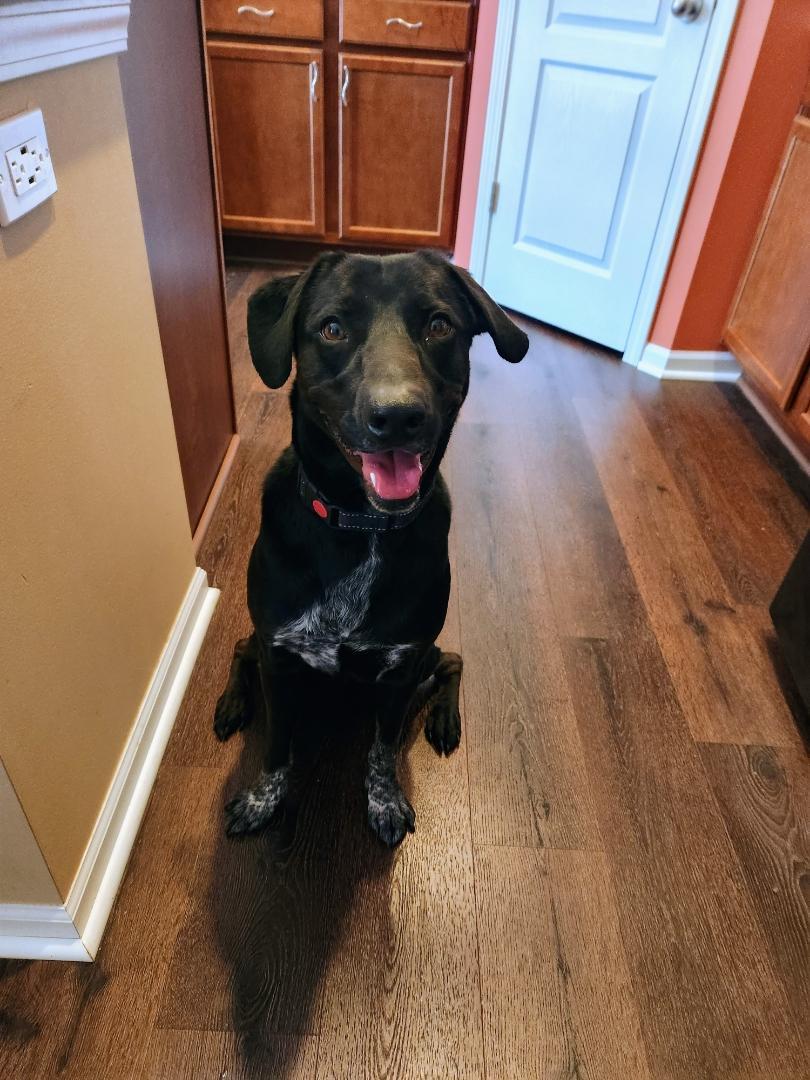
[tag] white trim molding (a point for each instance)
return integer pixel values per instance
(723, 14)
(686, 364)
(723, 17)
(493, 129)
(73, 931)
(38, 35)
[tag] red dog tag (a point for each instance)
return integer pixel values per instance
(319, 508)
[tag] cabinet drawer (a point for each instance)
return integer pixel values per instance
(410, 24)
(266, 18)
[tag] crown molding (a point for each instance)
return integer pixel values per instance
(39, 35)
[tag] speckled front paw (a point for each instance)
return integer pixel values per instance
(253, 808)
(390, 815)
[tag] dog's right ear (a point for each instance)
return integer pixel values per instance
(271, 327)
(271, 314)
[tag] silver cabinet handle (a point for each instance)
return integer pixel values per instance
(313, 79)
(249, 9)
(344, 90)
(688, 10)
(403, 22)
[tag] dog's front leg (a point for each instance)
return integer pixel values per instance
(390, 814)
(235, 706)
(253, 808)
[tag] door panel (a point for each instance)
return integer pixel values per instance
(570, 207)
(400, 126)
(268, 103)
(634, 13)
(594, 110)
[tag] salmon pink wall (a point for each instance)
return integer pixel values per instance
(758, 97)
(476, 117)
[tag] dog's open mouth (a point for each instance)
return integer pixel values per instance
(393, 475)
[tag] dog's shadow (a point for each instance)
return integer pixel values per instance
(280, 900)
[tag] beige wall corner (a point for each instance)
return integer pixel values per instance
(24, 877)
(95, 551)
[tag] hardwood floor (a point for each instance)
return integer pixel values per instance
(609, 880)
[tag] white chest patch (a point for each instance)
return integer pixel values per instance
(335, 618)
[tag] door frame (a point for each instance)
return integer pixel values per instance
(723, 15)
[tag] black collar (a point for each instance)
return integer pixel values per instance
(338, 518)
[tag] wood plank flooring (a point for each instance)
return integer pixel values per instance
(610, 880)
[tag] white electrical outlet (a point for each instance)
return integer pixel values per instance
(26, 171)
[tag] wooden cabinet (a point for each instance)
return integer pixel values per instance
(268, 109)
(769, 327)
(800, 412)
(354, 138)
(174, 176)
(399, 142)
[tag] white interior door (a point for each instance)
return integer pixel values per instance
(596, 100)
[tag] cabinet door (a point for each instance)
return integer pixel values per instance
(769, 328)
(400, 128)
(268, 104)
(800, 413)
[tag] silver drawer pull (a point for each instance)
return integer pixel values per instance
(403, 22)
(344, 90)
(249, 9)
(313, 80)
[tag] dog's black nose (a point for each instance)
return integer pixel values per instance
(400, 422)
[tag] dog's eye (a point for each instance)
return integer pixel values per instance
(332, 330)
(439, 327)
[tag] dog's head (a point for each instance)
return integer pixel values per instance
(381, 346)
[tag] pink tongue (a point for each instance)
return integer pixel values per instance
(394, 474)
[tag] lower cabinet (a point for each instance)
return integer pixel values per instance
(340, 121)
(268, 118)
(400, 126)
(769, 326)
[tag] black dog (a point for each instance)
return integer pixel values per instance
(349, 577)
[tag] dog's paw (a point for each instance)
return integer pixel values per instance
(254, 808)
(231, 715)
(390, 815)
(443, 725)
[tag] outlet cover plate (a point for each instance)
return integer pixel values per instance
(26, 170)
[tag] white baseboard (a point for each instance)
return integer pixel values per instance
(43, 948)
(73, 931)
(686, 364)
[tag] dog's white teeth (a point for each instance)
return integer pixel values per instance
(373, 478)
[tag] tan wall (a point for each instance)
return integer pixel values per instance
(95, 552)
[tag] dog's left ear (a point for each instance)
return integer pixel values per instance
(271, 321)
(510, 341)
